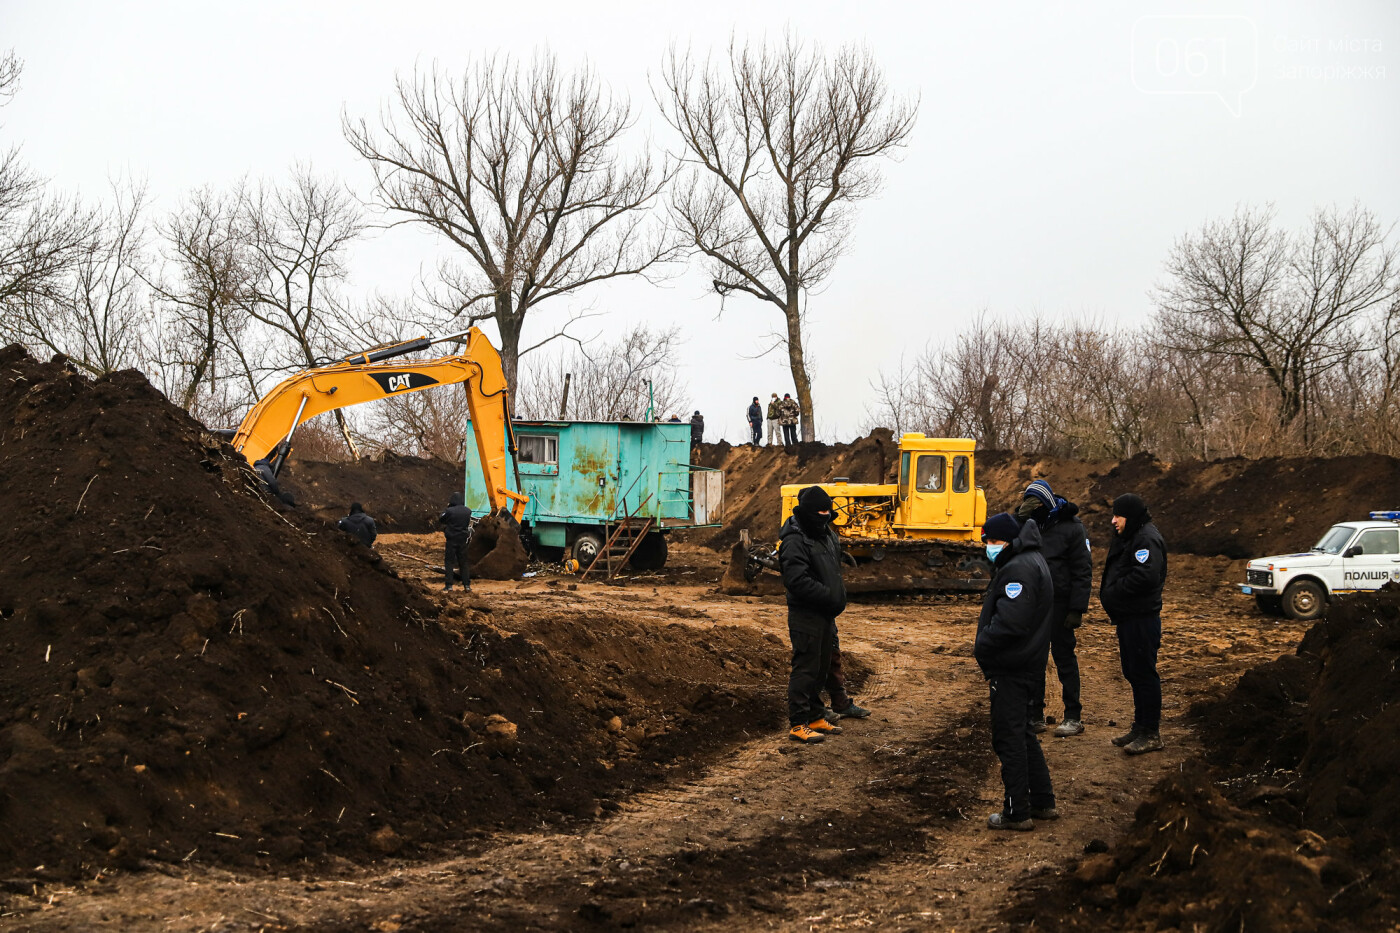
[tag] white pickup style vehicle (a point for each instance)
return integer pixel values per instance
(1351, 558)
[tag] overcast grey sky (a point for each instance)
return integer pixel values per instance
(1055, 159)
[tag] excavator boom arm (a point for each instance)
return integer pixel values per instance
(339, 385)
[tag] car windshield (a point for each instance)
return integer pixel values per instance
(1335, 540)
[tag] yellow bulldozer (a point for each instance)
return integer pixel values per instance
(921, 533)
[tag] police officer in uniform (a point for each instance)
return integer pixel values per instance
(1131, 593)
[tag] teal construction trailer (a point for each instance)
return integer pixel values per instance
(609, 488)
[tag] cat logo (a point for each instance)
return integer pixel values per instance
(402, 382)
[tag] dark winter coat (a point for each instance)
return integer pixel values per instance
(811, 566)
(755, 414)
(1065, 547)
(361, 526)
(456, 520)
(697, 429)
(1013, 632)
(263, 468)
(1134, 573)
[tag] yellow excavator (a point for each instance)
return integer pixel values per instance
(921, 533)
(266, 432)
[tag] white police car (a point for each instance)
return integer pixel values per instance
(1351, 558)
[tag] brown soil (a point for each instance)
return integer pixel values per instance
(554, 755)
(403, 494)
(191, 676)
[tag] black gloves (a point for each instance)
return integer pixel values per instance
(1073, 619)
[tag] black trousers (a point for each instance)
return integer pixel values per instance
(454, 558)
(789, 435)
(1062, 643)
(1139, 638)
(812, 648)
(756, 428)
(1024, 774)
(836, 680)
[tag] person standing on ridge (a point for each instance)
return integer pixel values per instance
(1065, 547)
(1013, 641)
(456, 521)
(755, 416)
(697, 433)
(809, 555)
(1131, 593)
(775, 415)
(791, 411)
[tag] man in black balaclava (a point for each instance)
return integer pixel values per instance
(456, 521)
(359, 524)
(1131, 594)
(809, 554)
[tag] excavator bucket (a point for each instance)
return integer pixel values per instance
(496, 551)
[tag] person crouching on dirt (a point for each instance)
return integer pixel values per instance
(265, 473)
(1131, 593)
(456, 521)
(1013, 641)
(359, 524)
(809, 555)
(1065, 547)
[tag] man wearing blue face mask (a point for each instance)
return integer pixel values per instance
(1013, 642)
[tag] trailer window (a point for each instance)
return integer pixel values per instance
(1379, 541)
(960, 474)
(931, 474)
(537, 448)
(904, 476)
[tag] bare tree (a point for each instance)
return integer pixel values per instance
(299, 235)
(1242, 288)
(521, 169)
(203, 290)
(98, 313)
(620, 379)
(782, 142)
(41, 235)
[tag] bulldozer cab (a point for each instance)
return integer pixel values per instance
(937, 488)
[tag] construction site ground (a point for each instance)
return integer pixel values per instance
(734, 826)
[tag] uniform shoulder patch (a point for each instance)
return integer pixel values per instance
(1013, 590)
(1142, 556)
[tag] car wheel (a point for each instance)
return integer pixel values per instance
(1304, 601)
(587, 547)
(1269, 605)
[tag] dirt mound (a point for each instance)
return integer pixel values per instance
(754, 476)
(187, 674)
(403, 494)
(1308, 748)
(495, 551)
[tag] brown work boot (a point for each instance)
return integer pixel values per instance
(1000, 821)
(824, 727)
(1126, 738)
(1145, 742)
(805, 734)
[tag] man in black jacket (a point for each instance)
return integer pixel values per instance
(809, 554)
(1013, 640)
(456, 521)
(755, 416)
(359, 524)
(1131, 593)
(1065, 548)
(697, 430)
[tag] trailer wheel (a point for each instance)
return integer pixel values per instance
(1304, 601)
(587, 546)
(1271, 605)
(650, 553)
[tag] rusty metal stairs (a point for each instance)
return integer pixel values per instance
(623, 538)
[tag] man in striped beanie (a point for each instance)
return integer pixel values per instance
(1065, 547)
